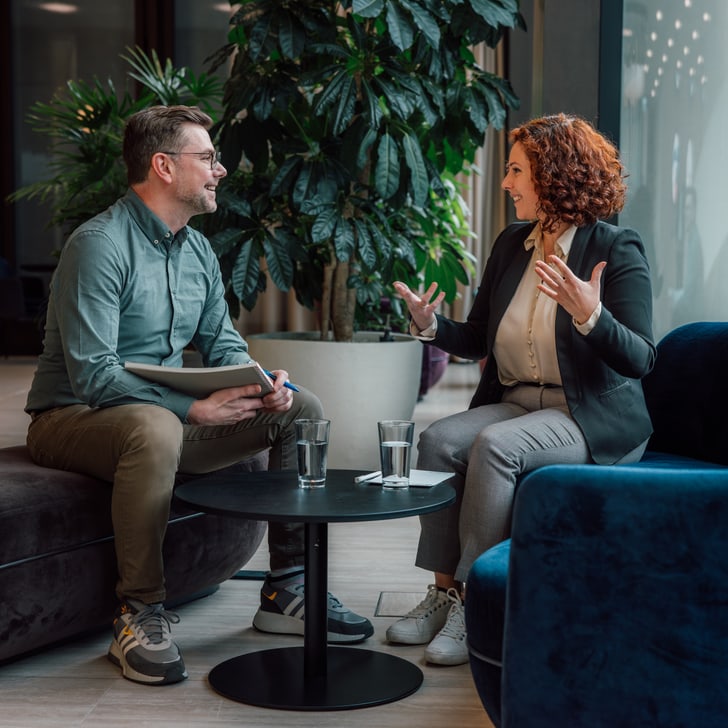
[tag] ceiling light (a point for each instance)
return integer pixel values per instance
(61, 8)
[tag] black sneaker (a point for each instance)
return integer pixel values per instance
(142, 646)
(281, 611)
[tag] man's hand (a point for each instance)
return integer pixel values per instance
(281, 398)
(234, 404)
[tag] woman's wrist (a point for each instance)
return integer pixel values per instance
(590, 322)
(428, 332)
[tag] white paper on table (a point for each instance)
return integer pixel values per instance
(419, 478)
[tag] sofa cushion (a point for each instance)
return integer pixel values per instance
(686, 393)
(45, 510)
(57, 561)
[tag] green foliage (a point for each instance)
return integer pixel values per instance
(437, 255)
(85, 123)
(341, 124)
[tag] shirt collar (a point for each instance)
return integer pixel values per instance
(154, 229)
(563, 243)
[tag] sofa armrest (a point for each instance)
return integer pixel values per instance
(617, 599)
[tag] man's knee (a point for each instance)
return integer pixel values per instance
(153, 429)
(307, 405)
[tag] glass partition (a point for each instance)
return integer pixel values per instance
(672, 135)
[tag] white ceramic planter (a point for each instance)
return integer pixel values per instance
(358, 383)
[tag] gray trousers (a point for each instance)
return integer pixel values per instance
(140, 448)
(488, 447)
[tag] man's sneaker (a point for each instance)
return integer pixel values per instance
(450, 647)
(281, 611)
(142, 646)
(422, 623)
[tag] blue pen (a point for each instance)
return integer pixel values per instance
(289, 385)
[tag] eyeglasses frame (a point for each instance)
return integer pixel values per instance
(212, 157)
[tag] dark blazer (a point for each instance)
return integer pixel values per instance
(601, 371)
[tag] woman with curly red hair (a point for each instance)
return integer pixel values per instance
(563, 315)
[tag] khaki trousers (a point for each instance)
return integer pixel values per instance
(140, 448)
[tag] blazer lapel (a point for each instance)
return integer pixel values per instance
(509, 280)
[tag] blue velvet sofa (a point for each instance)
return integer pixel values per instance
(608, 606)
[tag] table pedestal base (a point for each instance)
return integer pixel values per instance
(356, 678)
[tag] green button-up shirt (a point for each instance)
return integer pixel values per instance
(127, 288)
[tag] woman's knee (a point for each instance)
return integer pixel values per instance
(442, 437)
(437, 449)
(490, 444)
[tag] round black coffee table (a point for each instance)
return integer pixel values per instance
(316, 676)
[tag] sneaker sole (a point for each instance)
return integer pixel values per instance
(116, 656)
(282, 624)
(449, 660)
(409, 639)
(419, 638)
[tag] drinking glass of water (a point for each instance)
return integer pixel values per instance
(395, 450)
(312, 442)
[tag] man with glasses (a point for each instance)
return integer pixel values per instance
(135, 283)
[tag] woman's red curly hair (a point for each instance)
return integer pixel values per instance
(577, 172)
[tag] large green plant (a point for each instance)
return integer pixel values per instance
(341, 123)
(84, 123)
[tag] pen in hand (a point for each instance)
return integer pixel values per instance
(288, 385)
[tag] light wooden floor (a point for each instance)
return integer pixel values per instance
(74, 685)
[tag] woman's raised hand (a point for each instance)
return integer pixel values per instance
(421, 307)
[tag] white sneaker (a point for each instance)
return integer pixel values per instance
(423, 622)
(450, 647)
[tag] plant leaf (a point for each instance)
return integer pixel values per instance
(324, 224)
(344, 239)
(418, 173)
(244, 278)
(399, 26)
(365, 246)
(368, 8)
(280, 265)
(425, 21)
(386, 175)
(496, 12)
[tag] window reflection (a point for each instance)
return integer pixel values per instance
(674, 110)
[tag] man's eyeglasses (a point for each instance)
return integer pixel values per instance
(212, 158)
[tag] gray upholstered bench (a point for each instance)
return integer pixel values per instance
(57, 563)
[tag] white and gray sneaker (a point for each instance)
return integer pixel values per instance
(142, 645)
(423, 622)
(450, 646)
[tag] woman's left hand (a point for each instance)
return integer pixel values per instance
(578, 297)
